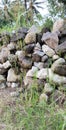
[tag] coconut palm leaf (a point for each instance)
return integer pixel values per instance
(40, 7)
(39, 2)
(35, 10)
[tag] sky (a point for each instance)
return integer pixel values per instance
(42, 11)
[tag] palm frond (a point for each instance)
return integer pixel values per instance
(40, 7)
(36, 11)
(39, 2)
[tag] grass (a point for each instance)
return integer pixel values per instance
(27, 113)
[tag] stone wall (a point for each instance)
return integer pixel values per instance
(29, 57)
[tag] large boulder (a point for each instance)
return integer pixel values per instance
(58, 25)
(51, 39)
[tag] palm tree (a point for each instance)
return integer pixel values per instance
(32, 7)
(5, 7)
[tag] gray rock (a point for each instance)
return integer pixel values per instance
(15, 85)
(20, 54)
(33, 29)
(30, 38)
(4, 54)
(55, 57)
(58, 25)
(28, 81)
(43, 73)
(55, 78)
(44, 58)
(2, 79)
(29, 48)
(22, 30)
(12, 58)
(11, 46)
(51, 39)
(17, 36)
(59, 67)
(48, 51)
(61, 49)
(39, 65)
(37, 47)
(12, 77)
(48, 89)
(36, 57)
(32, 72)
(26, 63)
(6, 65)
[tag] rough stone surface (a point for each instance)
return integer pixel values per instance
(48, 51)
(59, 67)
(43, 73)
(4, 54)
(57, 79)
(12, 77)
(39, 65)
(12, 58)
(20, 54)
(17, 36)
(6, 65)
(26, 63)
(11, 46)
(37, 47)
(55, 57)
(44, 58)
(58, 25)
(2, 79)
(29, 48)
(51, 39)
(61, 49)
(32, 72)
(36, 57)
(33, 29)
(30, 38)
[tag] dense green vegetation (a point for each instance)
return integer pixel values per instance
(17, 13)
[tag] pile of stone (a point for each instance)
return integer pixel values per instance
(30, 56)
